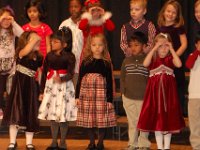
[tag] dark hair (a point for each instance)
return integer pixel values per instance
(197, 37)
(138, 36)
(39, 5)
(65, 36)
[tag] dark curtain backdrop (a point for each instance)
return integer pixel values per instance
(58, 11)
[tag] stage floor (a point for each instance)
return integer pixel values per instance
(77, 140)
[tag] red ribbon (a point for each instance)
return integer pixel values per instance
(58, 72)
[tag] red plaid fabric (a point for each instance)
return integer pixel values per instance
(94, 110)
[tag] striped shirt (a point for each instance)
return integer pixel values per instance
(133, 77)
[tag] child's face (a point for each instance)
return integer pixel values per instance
(75, 9)
(56, 45)
(136, 47)
(137, 11)
(170, 14)
(197, 44)
(97, 47)
(7, 20)
(33, 13)
(197, 12)
(163, 50)
(96, 12)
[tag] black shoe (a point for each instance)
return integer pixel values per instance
(30, 147)
(91, 147)
(100, 147)
(52, 148)
(12, 148)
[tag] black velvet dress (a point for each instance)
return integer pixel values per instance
(22, 104)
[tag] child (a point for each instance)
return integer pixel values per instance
(161, 111)
(95, 20)
(137, 23)
(9, 29)
(193, 63)
(94, 91)
(170, 20)
(22, 105)
(133, 83)
(35, 13)
(75, 9)
(57, 89)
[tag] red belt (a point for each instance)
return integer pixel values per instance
(58, 72)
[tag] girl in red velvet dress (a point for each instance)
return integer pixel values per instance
(161, 110)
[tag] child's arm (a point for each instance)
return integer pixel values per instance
(176, 60)
(148, 58)
(191, 59)
(48, 46)
(151, 36)
(122, 78)
(30, 45)
(182, 48)
(124, 41)
(84, 22)
(109, 25)
(17, 29)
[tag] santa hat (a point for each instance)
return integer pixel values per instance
(93, 3)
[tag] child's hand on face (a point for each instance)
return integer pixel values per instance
(96, 12)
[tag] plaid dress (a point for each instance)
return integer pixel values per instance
(94, 110)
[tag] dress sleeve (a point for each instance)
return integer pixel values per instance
(44, 75)
(17, 29)
(181, 30)
(81, 74)
(109, 25)
(109, 84)
(123, 41)
(191, 59)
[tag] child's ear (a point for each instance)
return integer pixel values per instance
(64, 45)
(145, 11)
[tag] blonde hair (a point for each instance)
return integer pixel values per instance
(196, 3)
(179, 21)
(143, 3)
(87, 51)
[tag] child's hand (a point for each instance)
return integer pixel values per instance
(57, 79)
(77, 101)
(41, 97)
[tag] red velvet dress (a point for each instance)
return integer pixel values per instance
(161, 108)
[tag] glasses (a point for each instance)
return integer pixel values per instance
(55, 41)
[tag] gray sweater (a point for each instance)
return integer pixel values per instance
(133, 77)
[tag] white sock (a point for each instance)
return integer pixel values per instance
(13, 134)
(167, 140)
(29, 138)
(159, 139)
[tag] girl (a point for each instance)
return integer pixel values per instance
(9, 29)
(94, 93)
(95, 20)
(35, 13)
(75, 10)
(22, 106)
(57, 89)
(161, 110)
(170, 20)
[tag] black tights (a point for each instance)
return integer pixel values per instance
(101, 135)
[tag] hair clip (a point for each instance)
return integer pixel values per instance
(163, 34)
(87, 2)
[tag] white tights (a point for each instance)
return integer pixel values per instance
(163, 140)
(13, 129)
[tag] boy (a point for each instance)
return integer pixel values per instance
(193, 63)
(137, 23)
(75, 10)
(132, 84)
